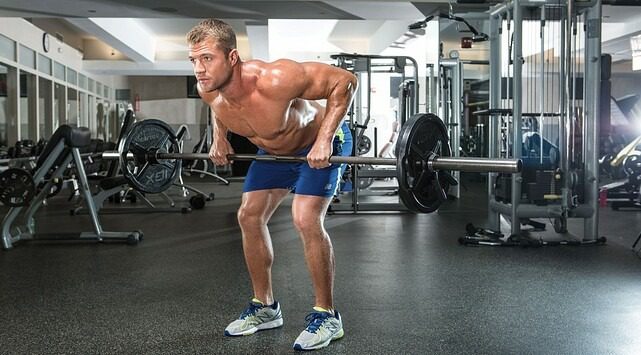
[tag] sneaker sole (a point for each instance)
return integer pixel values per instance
(264, 326)
(336, 336)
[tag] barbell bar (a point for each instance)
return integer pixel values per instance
(468, 164)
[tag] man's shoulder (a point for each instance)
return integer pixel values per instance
(260, 65)
(270, 72)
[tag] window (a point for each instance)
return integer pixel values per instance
(72, 107)
(27, 102)
(44, 64)
(27, 57)
(8, 91)
(7, 48)
(59, 71)
(59, 107)
(45, 108)
(82, 81)
(72, 76)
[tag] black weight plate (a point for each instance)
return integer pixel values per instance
(364, 145)
(364, 182)
(16, 187)
(420, 189)
(143, 138)
(632, 164)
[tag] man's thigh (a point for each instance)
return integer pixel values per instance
(265, 175)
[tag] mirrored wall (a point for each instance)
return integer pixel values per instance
(38, 94)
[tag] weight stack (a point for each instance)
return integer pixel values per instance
(545, 188)
(503, 188)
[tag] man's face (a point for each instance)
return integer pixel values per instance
(212, 67)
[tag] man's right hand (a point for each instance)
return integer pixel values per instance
(219, 151)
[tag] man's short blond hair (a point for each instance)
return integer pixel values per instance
(215, 29)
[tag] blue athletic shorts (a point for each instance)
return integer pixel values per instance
(299, 177)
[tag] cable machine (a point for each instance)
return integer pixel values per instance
(544, 105)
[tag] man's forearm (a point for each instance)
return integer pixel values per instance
(337, 105)
(219, 130)
(330, 125)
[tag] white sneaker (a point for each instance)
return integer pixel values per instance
(256, 317)
(322, 328)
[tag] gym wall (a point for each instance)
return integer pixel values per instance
(165, 98)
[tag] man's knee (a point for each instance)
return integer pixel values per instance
(307, 222)
(251, 215)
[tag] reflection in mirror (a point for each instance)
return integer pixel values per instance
(4, 104)
(101, 119)
(45, 108)
(72, 107)
(82, 103)
(28, 96)
(59, 107)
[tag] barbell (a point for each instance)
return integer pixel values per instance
(150, 159)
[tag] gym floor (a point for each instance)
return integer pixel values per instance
(404, 286)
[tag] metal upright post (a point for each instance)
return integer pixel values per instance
(516, 114)
(542, 77)
(591, 122)
(455, 68)
(495, 101)
(563, 80)
(430, 99)
(568, 116)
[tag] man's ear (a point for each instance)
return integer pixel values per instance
(233, 56)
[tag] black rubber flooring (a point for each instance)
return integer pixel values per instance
(404, 286)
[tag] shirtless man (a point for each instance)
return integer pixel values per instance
(273, 105)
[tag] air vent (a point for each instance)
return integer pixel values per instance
(123, 94)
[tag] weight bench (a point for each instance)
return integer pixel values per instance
(62, 149)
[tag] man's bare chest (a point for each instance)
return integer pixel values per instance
(265, 120)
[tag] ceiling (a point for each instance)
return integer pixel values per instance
(122, 37)
(238, 9)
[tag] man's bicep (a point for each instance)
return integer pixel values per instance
(320, 80)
